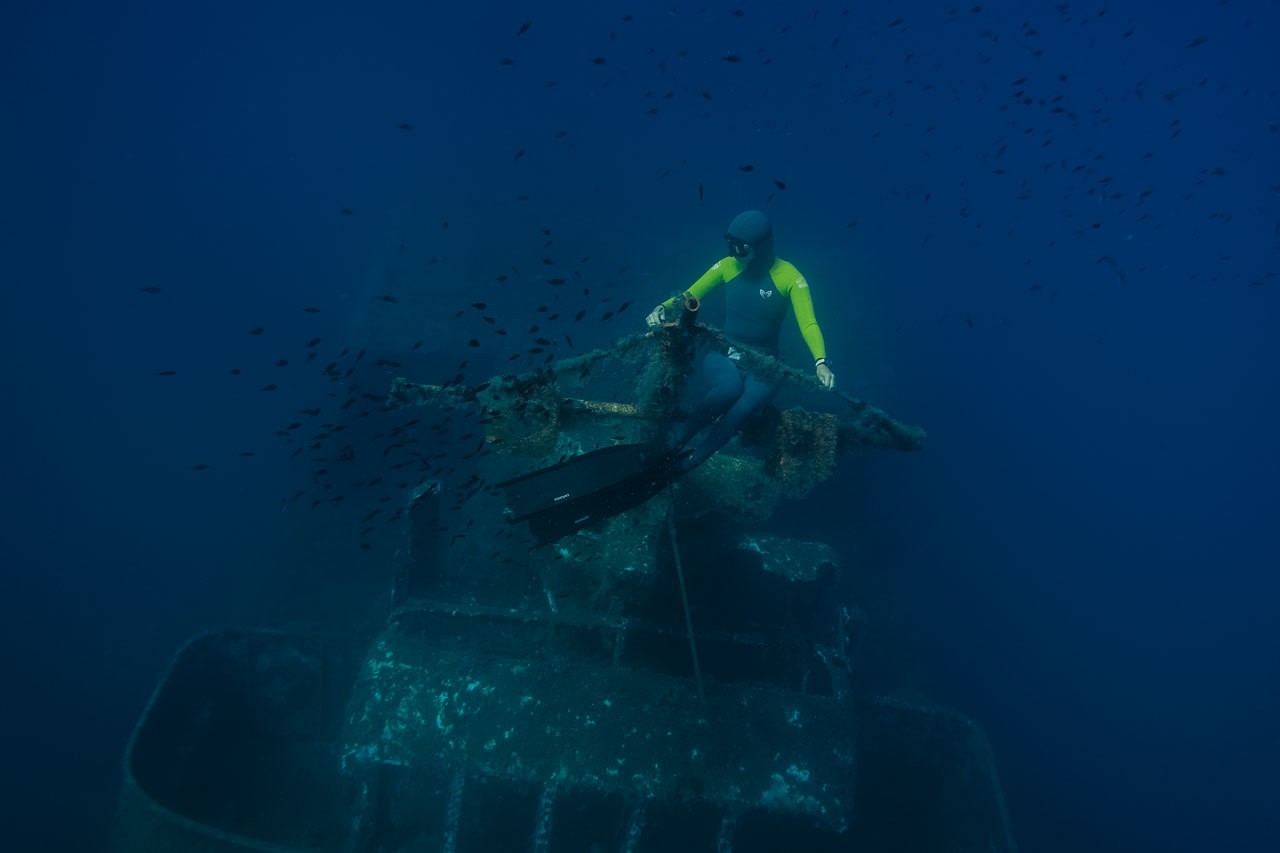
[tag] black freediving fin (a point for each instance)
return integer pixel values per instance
(588, 488)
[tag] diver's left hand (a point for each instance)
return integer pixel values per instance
(826, 377)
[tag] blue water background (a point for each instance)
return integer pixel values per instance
(1079, 305)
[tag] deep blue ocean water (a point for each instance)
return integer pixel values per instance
(1047, 232)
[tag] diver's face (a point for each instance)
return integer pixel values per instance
(740, 249)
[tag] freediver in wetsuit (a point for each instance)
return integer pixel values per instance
(759, 288)
(591, 487)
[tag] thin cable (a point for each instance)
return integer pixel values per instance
(688, 620)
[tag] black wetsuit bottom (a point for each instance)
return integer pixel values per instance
(732, 396)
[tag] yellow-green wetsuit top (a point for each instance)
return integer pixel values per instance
(757, 304)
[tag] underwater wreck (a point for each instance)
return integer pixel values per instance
(670, 678)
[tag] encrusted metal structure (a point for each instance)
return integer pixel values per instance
(676, 678)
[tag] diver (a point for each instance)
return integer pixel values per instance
(759, 288)
(594, 486)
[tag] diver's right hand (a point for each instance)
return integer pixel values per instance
(656, 317)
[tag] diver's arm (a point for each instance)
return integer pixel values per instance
(802, 305)
(710, 280)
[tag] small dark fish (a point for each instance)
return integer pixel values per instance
(417, 345)
(473, 343)
(257, 331)
(597, 60)
(623, 307)
(167, 373)
(202, 467)
(479, 306)
(284, 362)
(970, 322)
(580, 315)
(779, 184)
(268, 387)
(311, 310)
(149, 289)
(706, 96)
(386, 298)
(313, 342)
(524, 28)
(506, 61)
(404, 125)
(555, 282)
(248, 453)
(747, 168)
(346, 211)
(733, 58)
(1197, 41)
(519, 154)
(235, 371)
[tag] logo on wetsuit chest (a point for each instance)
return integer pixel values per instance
(765, 294)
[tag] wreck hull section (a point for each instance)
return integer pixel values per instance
(243, 743)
